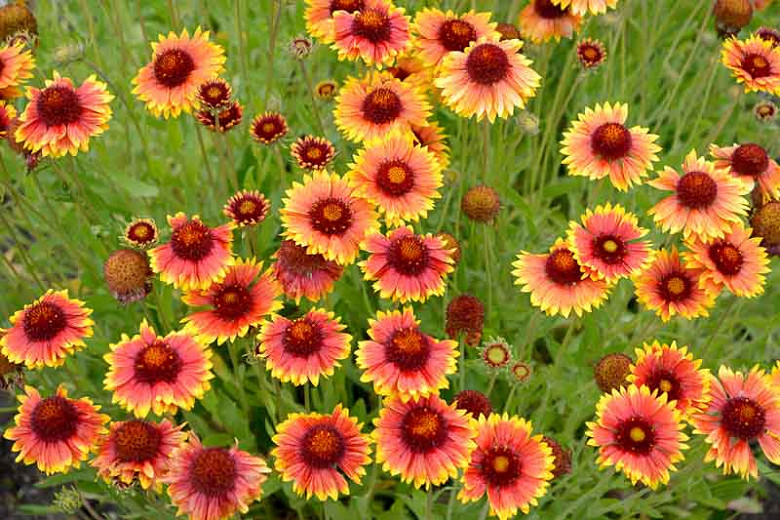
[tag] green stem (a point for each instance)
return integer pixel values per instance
(313, 95)
(429, 504)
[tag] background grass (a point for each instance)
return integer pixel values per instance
(58, 224)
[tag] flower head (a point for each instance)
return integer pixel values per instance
(542, 20)
(56, 433)
(326, 89)
(424, 439)
(474, 402)
(223, 119)
(324, 215)
(766, 225)
(312, 153)
(196, 254)
(765, 111)
(375, 33)
(490, 78)
(159, 374)
(753, 62)
(402, 179)
(439, 33)
(705, 202)
(608, 243)
(317, 451)
(319, 16)
(214, 94)
(465, 315)
(510, 465)
(671, 287)
(582, 7)
(405, 266)
(750, 163)
(61, 118)
(247, 208)
(128, 275)
(520, 370)
(400, 359)
(371, 108)
(612, 371)
(672, 370)
(304, 349)
(744, 410)
(303, 275)
(16, 65)
(599, 145)
(47, 331)
(481, 204)
(591, 53)
(233, 305)
(180, 64)
(138, 450)
(268, 127)
(639, 433)
(141, 233)
(557, 282)
(214, 483)
(496, 353)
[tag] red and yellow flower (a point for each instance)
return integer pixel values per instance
(141, 233)
(582, 7)
(639, 433)
(608, 243)
(317, 451)
(599, 145)
(312, 153)
(510, 465)
(214, 483)
(743, 409)
(753, 62)
(138, 450)
(737, 261)
(401, 360)
(159, 374)
(61, 118)
(16, 65)
(47, 331)
(405, 266)
(324, 215)
(489, 79)
(302, 275)
(705, 202)
(7, 117)
(304, 349)
(439, 33)
(425, 440)
(402, 179)
(557, 282)
(196, 255)
(236, 303)
(542, 20)
(56, 433)
(671, 287)
(268, 127)
(375, 33)
(319, 16)
(247, 208)
(750, 163)
(671, 370)
(371, 108)
(180, 64)
(431, 136)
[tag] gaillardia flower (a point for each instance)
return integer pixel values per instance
(582, 7)
(371, 108)
(316, 451)
(7, 119)
(608, 243)
(599, 145)
(148, 372)
(424, 440)
(465, 315)
(766, 225)
(56, 433)
(375, 33)
(557, 282)
(705, 202)
(128, 275)
(60, 118)
(180, 65)
(405, 266)
(750, 163)
(520, 370)
(312, 153)
(268, 127)
(736, 261)
(474, 402)
(319, 16)
(247, 208)
(612, 371)
(47, 331)
(214, 94)
(327, 89)
(138, 450)
(402, 179)
(489, 79)
(402, 360)
(510, 465)
(214, 483)
(141, 233)
(16, 65)
(542, 20)
(239, 301)
(196, 254)
(481, 204)
(302, 275)
(304, 349)
(221, 120)
(754, 63)
(743, 409)
(670, 287)
(591, 53)
(324, 215)
(439, 33)
(496, 353)
(765, 111)
(671, 370)
(639, 433)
